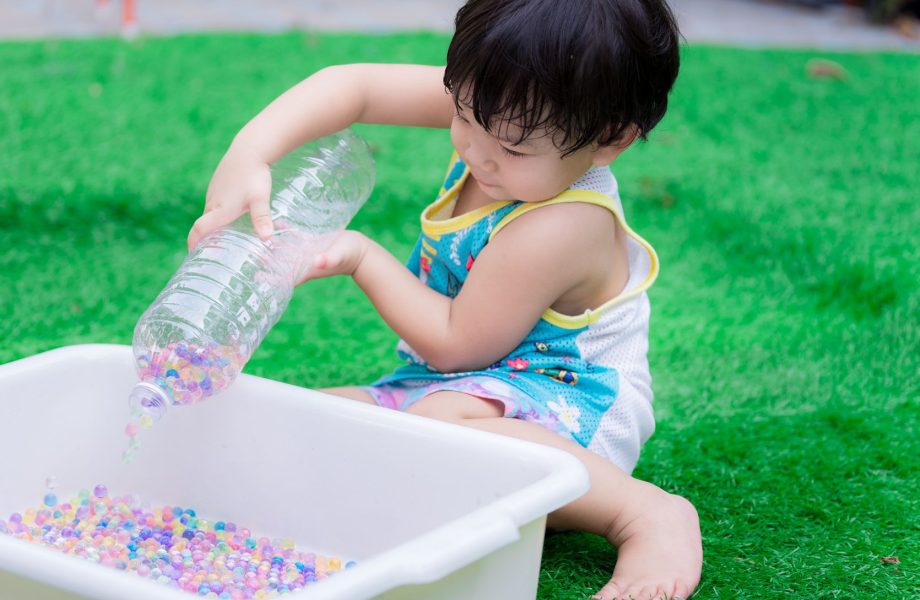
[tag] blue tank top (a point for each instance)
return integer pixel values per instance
(548, 364)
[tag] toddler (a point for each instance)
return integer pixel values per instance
(523, 310)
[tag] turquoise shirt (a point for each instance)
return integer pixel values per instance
(547, 365)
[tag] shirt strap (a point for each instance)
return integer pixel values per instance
(599, 199)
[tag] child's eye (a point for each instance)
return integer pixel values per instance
(512, 152)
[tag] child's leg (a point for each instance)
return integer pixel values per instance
(351, 392)
(657, 534)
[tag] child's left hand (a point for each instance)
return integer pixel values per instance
(341, 258)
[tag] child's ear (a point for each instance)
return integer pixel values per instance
(607, 153)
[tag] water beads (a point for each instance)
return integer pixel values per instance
(188, 372)
(171, 545)
(138, 421)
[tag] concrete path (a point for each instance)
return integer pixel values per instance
(735, 22)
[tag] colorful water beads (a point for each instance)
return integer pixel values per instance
(188, 372)
(170, 545)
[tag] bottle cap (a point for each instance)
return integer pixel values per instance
(148, 399)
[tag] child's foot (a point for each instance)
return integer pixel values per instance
(660, 551)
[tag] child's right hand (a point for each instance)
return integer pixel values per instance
(241, 182)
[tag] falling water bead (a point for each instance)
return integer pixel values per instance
(100, 491)
(50, 499)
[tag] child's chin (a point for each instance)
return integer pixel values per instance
(498, 193)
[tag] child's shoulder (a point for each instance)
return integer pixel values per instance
(574, 222)
(558, 233)
(577, 248)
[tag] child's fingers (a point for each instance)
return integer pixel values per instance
(207, 223)
(341, 258)
(330, 260)
(320, 262)
(261, 218)
(328, 263)
(316, 269)
(258, 199)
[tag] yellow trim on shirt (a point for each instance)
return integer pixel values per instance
(429, 248)
(591, 315)
(441, 226)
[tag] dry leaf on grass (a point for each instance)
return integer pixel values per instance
(821, 68)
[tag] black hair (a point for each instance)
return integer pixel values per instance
(585, 70)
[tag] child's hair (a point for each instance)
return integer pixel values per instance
(586, 71)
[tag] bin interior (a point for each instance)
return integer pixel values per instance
(336, 476)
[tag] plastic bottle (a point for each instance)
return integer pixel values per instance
(195, 338)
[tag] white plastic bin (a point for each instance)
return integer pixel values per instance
(428, 510)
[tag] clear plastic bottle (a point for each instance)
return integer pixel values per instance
(194, 339)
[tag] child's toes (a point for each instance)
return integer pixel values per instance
(653, 593)
(611, 591)
(643, 592)
(682, 591)
(639, 592)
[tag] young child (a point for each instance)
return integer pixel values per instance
(523, 310)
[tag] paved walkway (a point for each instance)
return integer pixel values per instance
(736, 22)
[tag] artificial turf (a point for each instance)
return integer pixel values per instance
(785, 340)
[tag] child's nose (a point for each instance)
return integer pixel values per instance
(479, 158)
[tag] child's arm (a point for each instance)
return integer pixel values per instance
(338, 96)
(534, 261)
(324, 103)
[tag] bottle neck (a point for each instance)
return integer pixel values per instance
(148, 399)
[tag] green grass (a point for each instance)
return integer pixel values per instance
(785, 339)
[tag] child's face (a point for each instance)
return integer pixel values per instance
(531, 171)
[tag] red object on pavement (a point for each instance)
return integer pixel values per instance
(128, 14)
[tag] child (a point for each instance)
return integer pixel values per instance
(523, 308)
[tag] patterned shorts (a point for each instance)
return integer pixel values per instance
(402, 394)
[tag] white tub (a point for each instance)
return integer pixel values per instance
(428, 510)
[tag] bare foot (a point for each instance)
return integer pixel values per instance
(660, 551)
